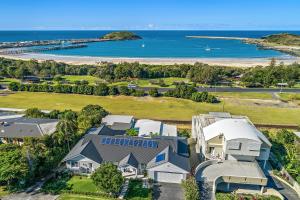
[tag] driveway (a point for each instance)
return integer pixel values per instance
(167, 191)
(30, 196)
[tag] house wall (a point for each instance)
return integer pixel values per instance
(217, 144)
(83, 163)
(167, 167)
(264, 152)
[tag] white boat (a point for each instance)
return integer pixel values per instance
(207, 49)
(143, 45)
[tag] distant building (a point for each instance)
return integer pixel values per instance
(231, 149)
(147, 128)
(14, 130)
(30, 79)
(118, 122)
(164, 159)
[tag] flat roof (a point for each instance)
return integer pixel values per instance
(111, 119)
(232, 168)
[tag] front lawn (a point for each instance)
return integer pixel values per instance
(82, 184)
(81, 197)
(137, 192)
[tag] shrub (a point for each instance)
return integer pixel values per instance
(153, 92)
(191, 189)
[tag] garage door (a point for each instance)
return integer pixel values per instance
(168, 177)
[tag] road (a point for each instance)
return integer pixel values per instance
(232, 89)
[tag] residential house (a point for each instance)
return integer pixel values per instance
(14, 130)
(118, 122)
(148, 128)
(232, 149)
(164, 159)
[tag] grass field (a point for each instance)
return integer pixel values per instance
(147, 82)
(290, 96)
(82, 184)
(72, 79)
(243, 95)
(148, 107)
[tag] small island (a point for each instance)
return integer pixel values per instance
(121, 35)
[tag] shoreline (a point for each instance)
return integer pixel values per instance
(80, 60)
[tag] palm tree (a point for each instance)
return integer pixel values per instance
(66, 128)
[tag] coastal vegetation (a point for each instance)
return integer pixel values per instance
(283, 39)
(121, 35)
(163, 108)
(286, 148)
(182, 90)
(115, 74)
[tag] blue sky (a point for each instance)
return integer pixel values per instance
(150, 14)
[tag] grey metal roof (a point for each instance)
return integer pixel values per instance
(26, 127)
(104, 130)
(129, 160)
(120, 154)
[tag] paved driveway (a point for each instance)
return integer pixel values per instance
(167, 191)
(30, 196)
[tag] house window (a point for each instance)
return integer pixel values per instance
(90, 165)
(211, 150)
(74, 164)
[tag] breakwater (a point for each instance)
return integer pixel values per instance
(15, 51)
(20, 44)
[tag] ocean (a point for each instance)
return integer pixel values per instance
(156, 44)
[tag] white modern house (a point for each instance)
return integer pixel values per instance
(118, 122)
(147, 128)
(231, 149)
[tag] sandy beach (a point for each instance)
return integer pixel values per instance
(78, 60)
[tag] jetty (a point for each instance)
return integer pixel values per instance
(14, 51)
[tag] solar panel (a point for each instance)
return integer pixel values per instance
(126, 141)
(112, 141)
(121, 142)
(135, 143)
(117, 142)
(140, 144)
(155, 144)
(107, 141)
(150, 144)
(130, 142)
(103, 140)
(145, 144)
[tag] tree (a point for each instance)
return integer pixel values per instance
(191, 189)
(108, 178)
(14, 167)
(13, 86)
(34, 113)
(132, 132)
(66, 128)
(89, 116)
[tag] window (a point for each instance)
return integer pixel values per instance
(74, 164)
(160, 157)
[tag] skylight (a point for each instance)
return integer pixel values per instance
(160, 157)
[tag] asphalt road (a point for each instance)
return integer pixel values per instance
(233, 89)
